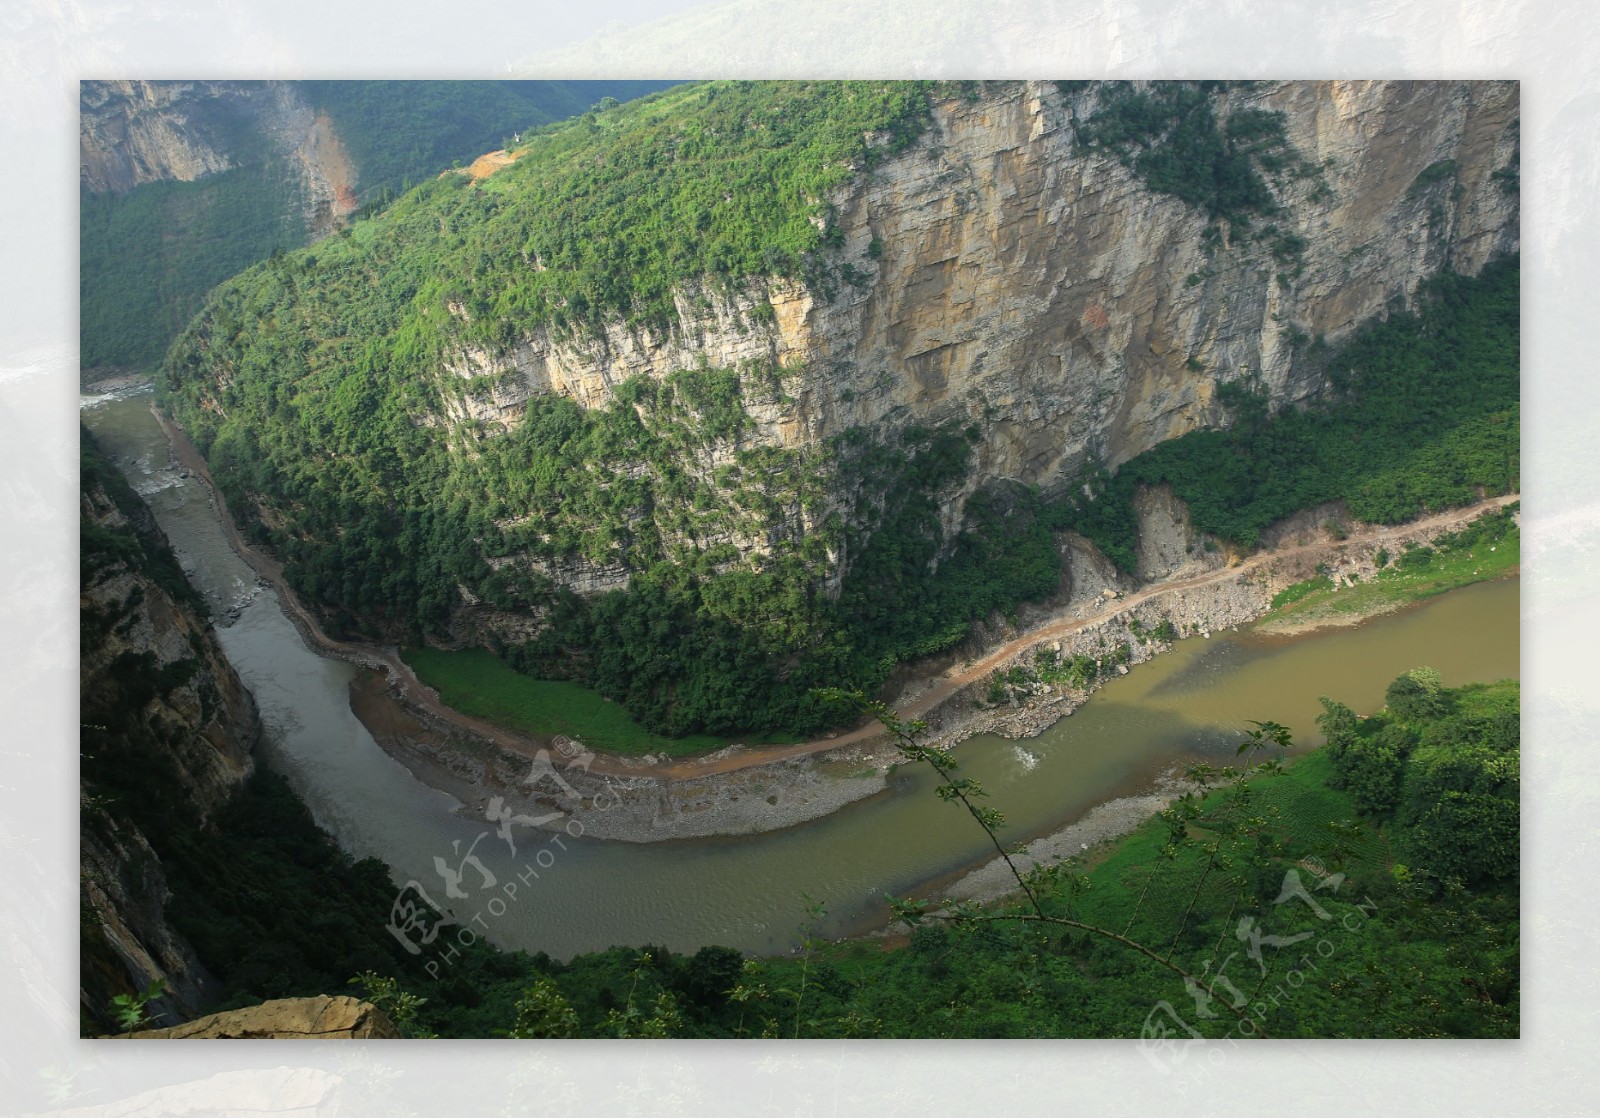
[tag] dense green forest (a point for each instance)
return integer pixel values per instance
(383, 521)
(148, 256)
(400, 132)
(1375, 882)
(332, 438)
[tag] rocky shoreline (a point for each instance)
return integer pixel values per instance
(1297, 549)
(1104, 823)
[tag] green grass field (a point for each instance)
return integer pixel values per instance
(1488, 549)
(1299, 805)
(476, 682)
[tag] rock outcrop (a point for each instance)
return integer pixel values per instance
(322, 1017)
(208, 718)
(134, 132)
(1008, 276)
(137, 132)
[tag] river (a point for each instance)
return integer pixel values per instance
(565, 895)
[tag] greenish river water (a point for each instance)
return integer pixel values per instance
(570, 895)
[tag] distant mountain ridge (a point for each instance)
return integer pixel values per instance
(184, 183)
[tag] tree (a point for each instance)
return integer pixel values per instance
(1461, 804)
(1370, 770)
(1416, 695)
(543, 1012)
(1338, 724)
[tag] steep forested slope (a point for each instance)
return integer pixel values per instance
(747, 387)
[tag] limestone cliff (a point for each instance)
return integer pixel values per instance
(167, 730)
(1008, 276)
(136, 132)
(133, 132)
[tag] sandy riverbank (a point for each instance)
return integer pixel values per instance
(639, 808)
(1101, 824)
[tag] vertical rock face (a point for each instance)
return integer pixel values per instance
(1167, 541)
(206, 717)
(1023, 278)
(1009, 277)
(329, 177)
(127, 943)
(133, 132)
(167, 732)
